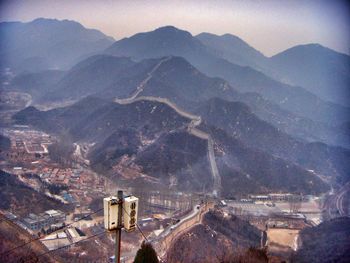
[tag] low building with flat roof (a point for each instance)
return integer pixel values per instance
(56, 216)
(44, 220)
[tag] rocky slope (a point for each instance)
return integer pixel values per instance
(217, 239)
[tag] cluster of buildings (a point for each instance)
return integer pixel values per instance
(75, 186)
(27, 145)
(277, 210)
(46, 220)
(79, 185)
(59, 176)
(75, 178)
(276, 197)
(82, 184)
(29, 155)
(30, 141)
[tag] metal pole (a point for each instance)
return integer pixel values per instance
(117, 245)
(118, 230)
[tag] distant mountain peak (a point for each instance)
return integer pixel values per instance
(226, 36)
(43, 19)
(206, 34)
(233, 49)
(56, 43)
(171, 30)
(168, 28)
(310, 47)
(230, 36)
(317, 68)
(50, 21)
(163, 41)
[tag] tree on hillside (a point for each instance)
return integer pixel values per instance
(146, 254)
(252, 255)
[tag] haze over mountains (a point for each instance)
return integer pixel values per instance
(272, 120)
(176, 79)
(318, 69)
(171, 41)
(234, 49)
(177, 154)
(47, 44)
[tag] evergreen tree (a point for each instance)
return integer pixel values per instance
(146, 254)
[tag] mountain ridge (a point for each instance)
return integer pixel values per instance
(167, 142)
(54, 43)
(243, 79)
(317, 68)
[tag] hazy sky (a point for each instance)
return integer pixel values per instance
(268, 25)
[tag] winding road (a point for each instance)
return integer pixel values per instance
(191, 127)
(338, 201)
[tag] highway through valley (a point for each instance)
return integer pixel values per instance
(339, 202)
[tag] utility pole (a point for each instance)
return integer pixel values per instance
(120, 212)
(119, 227)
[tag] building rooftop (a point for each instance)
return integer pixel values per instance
(53, 212)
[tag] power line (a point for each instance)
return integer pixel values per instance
(136, 225)
(66, 246)
(141, 232)
(21, 218)
(44, 198)
(35, 239)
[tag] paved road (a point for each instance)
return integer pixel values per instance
(191, 128)
(340, 198)
(338, 201)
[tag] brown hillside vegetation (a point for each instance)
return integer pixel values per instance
(12, 236)
(218, 239)
(327, 242)
(17, 196)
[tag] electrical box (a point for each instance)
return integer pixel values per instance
(131, 204)
(110, 212)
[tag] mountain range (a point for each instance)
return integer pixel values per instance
(52, 44)
(318, 69)
(168, 41)
(234, 49)
(175, 79)
(153, 137)
(272, 130)
(47, 44)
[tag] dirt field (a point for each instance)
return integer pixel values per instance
(283, 237)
